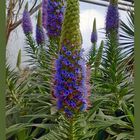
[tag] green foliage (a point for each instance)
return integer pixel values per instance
(30, 108)
(115, 117)
(28, 93)
(127, 41)
(19, 59)
(98, 57)
(67, 129)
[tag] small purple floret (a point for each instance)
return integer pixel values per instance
(26, 22)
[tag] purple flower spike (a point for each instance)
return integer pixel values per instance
(112, 18)
(94, 37)
(26, 21)
(70, 86)
(40, 35)
(70, 76)
(55, 10)
(94, 33)
(44, 13)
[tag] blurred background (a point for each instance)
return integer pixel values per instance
(89, 9)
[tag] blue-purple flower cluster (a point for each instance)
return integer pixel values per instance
(55, 10)
(44, 13)
(70, 89)
(112, 18)
(94, 37)
(40, 35)
(26, 21)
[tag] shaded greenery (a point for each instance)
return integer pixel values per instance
(31, 111)
(127, 41)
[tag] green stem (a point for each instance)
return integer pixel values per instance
(71, 130)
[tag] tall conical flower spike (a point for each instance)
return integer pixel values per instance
(40, 35)
(26, 21)
(55, 10)
(44, 13)
(94, 38)
(94, 33)
(70, 89)
(112, 18)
